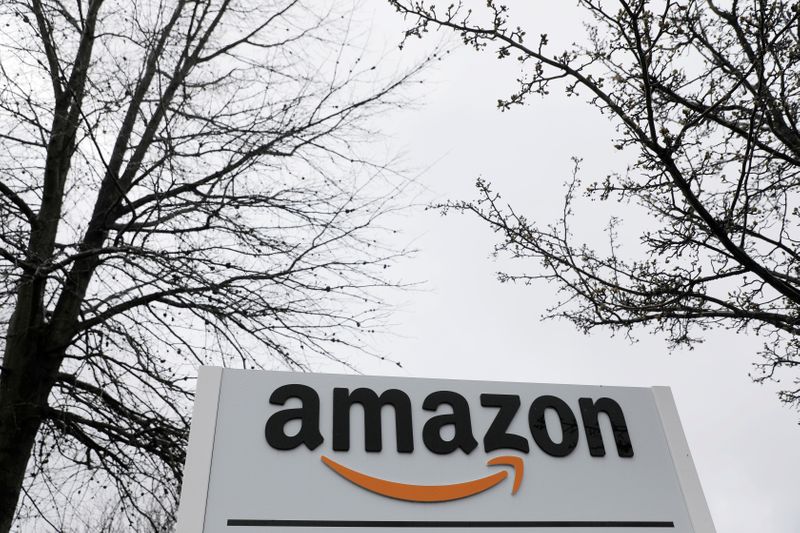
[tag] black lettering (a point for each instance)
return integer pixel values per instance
(343, 399)
(459, 419)
(497, 436)
(594, 436)
(569, 426)
(308, 414)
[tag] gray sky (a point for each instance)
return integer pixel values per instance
(464, 324)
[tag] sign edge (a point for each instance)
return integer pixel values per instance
(689, 481)
(199, 451)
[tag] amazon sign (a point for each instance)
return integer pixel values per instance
(275, 451)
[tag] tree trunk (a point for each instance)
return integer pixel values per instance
(35, 348)
(29, 369)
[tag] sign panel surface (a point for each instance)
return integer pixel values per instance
(312, 452)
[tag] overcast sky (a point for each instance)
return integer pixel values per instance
(464, 324)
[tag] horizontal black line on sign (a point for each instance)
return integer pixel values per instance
(446, 524)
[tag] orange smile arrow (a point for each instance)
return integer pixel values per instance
(431, 493)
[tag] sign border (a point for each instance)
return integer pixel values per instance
(688, 480)
(199, 452)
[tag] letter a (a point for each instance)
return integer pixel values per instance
(307, 414)
(459, 419)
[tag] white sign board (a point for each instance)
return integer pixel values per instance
(290, 452)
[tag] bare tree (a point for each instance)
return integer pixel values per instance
(181, 183)
(705, 99)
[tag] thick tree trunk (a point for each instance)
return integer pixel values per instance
(20, 418)
(35, 348)
(29, 370)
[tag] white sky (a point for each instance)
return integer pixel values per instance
(464, 324)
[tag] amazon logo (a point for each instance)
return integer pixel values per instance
(432, 493)
(442, 409)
